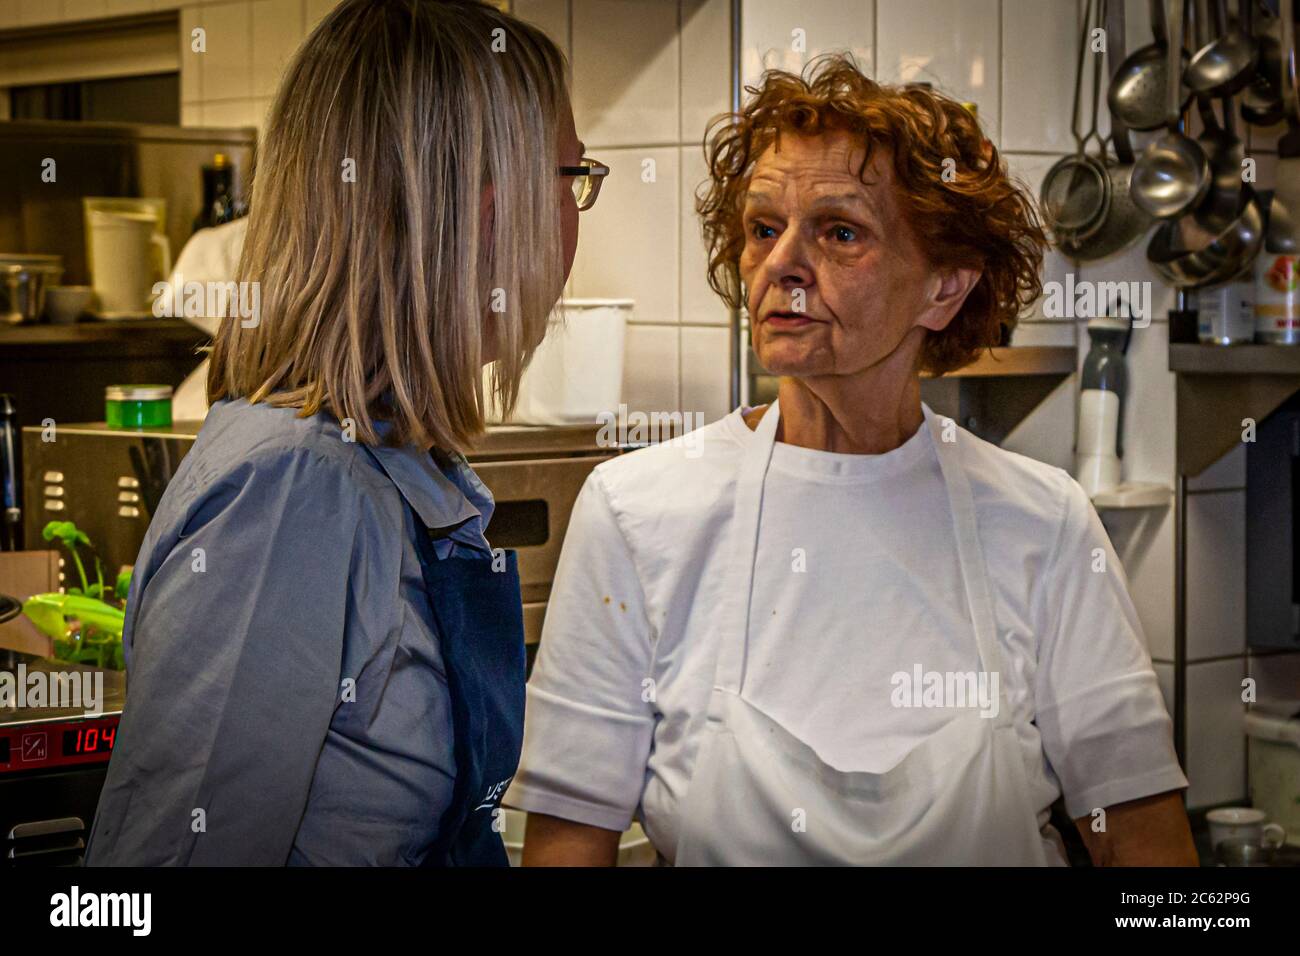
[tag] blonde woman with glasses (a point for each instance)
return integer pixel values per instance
(325, 655)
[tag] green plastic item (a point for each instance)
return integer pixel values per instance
(99, 640)
(50, 613)
(138, 406)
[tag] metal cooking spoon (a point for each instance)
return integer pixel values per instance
(1283, 209)
(1225, 65)
(1172, 175)
(1137, 91)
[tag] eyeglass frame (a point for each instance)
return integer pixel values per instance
(593, 172)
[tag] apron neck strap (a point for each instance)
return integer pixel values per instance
(946, 437)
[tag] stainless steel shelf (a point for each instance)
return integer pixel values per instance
(994, 394)
(1219, 387)
(1197, 359)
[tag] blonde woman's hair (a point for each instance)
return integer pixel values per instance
(393, 124)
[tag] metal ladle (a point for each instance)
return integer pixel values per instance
(1261, 103)
(1281, 215)
(1225, 154)
(1224, 65)
(1136, 95)
(1172, 175)
(1224, 151)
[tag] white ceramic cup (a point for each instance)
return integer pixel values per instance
(1244, 823)
(125, 254)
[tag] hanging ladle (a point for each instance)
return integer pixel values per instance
(1172, 175)
(1224, 151)
(1261, 103)
(1137, 91)
(1226, 64)
(1285, 207)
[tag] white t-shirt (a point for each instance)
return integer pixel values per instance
(856, 579)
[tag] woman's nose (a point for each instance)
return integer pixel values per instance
(787, 264)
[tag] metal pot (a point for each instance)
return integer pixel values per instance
(23, 281)
(1215, 257)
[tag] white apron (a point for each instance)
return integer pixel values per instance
(761, 796)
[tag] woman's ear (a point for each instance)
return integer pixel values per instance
(947, 292)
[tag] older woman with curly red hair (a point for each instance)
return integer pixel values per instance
(840, 629)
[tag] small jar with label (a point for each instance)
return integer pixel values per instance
(1277, 297)
(1226, 313)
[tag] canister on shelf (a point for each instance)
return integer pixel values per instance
(1277, 297)
(1226, 313)
(138, 406)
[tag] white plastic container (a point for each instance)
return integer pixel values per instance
(1097, 466)
(577, 372)
(1275, 768)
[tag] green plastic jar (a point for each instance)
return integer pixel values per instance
(138, 406)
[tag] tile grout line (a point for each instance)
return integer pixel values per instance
(681, 177)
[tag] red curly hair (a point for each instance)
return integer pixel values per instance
(953, 189)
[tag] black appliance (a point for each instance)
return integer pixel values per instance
(53, 760)
(1273, 531)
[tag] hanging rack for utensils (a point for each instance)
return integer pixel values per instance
(1209, 221)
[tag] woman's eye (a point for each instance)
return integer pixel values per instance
(844, 234)
(762, 231)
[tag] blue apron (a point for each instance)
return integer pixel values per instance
(478, 617)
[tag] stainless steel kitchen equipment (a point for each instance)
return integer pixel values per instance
(1226, 63)
(23, 281)
(1124, 223)
(103, 159)
(1172, 175)
(110, 481)
(53, 760)
(1226, 153)
(1137, 91)
(1261, 100)
(1213, 257)
(1075, 193)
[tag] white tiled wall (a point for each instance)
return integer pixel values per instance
(648, 75)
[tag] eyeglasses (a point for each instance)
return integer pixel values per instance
(586, 181)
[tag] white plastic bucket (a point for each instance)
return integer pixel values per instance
(577, 372)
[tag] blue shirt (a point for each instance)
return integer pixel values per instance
(287, 701)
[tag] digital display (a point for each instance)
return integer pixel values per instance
(91, 739)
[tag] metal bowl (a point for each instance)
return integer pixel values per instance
(1222, 254)
(23, 281)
